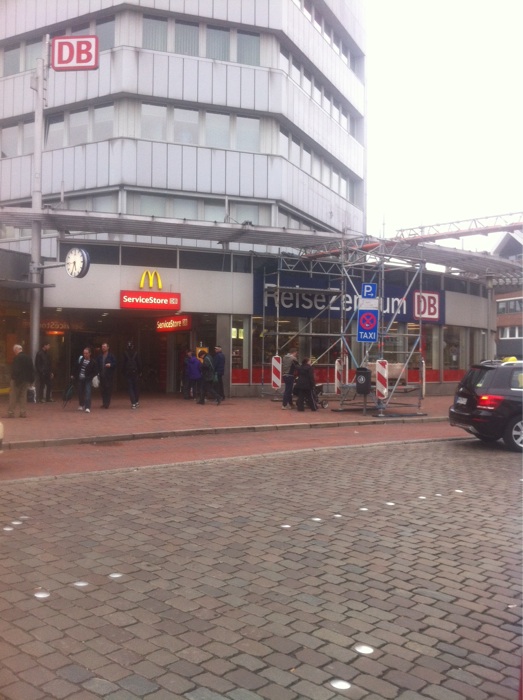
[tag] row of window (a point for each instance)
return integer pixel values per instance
(176, 125)
(22, 56)
(314, 89)
(510, 332)
(510, 306)
(323, 27)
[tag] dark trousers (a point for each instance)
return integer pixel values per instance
(43, 387)
(305, 396)
(219, 386)
(106, 387)
(207, 389)
(133, 387)
(288, 381)
(84, 393)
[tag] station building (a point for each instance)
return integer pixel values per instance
(209, 167)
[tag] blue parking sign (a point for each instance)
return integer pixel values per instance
(369, 290)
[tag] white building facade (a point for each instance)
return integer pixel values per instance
(241, 113)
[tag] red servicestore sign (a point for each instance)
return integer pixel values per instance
(131, 299)
(173, 324)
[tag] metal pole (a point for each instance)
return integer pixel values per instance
(36, 229)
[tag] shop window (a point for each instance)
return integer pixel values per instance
(195, 260)
(153, 122)
(11, 60)
(187, 38)
(241, 263)
(103, 121)
(248, 48)
(154, 33)
(9, 141)
(149, 257)
(240, 335)
(105, 34)
(99, 254)
(217, 43)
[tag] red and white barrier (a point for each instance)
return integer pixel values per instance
(382, 379)
(338, 375)
(276, 372)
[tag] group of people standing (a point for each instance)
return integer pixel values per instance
(299, 381)
(101, 371)
(203, 376)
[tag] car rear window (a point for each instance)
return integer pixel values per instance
(475, 378)
(516, 379)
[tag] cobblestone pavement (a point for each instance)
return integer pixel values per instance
(258, 577)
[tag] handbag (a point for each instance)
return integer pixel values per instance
(96, 381)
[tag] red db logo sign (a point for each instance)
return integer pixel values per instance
(74, 53)
(426, 306)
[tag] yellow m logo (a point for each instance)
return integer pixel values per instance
(150, 276)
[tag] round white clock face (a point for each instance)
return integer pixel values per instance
(77, 262)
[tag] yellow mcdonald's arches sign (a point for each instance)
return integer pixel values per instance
(150, 277)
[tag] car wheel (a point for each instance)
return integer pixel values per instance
(487, 438)
(513, 437)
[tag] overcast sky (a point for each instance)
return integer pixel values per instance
(445, 111)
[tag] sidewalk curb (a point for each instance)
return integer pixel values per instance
(162, 434)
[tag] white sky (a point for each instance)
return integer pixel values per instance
(444, 111)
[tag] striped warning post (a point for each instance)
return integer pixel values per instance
(276, 372)
(382, 379)
(338, 377)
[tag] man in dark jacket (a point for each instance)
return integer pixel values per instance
(219, 368)
(44, 374)
(207, 384)
(22, 375)
(106, 364)
(132, 369)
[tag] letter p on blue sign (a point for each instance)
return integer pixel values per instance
(368, 290)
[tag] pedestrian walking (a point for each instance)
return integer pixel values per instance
(305, 386)
(22, 376)
(106, 365)
(219, 369)
(207, 383)
(132, 369)
(192, 377)
(86, 369)
(289, 365)
(44, 374)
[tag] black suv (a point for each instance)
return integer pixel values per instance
(488, 403)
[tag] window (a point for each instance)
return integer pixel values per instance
(284, 60)
(316, 93)
(81, 30)
(152, 205)
(295, 71)
(106, 202)
(316, 166)
(55, 132)
(214, 210)
(154, 33)
(247, 134)
(217, 43)
(187, 39)
(103, 120)
(306, 82)
(28, 137)
(154, 122)
(198, 260)
(306, 159)
(284, 144)
(9, 141)
(78, 124)
(307, 9)
(248, 49)
(318, 20)
(105, 34)
(33, 51)
(12, 60)
(246, 212)
(295, 152)
(185, 126)
(217, 130)
(185, 208)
